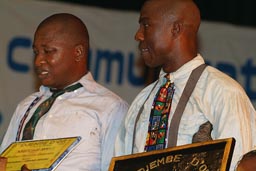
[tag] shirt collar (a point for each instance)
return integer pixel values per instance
(84, 81)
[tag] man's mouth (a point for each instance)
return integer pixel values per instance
(42, 73)
(144, 50)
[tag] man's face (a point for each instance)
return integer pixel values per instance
(54, 57)
(155, 42)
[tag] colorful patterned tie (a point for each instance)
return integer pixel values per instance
(43, 108)
(158, 121)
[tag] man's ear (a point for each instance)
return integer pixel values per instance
(176, 28)
(79, 52)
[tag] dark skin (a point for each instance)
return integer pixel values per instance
(61, 50)
(3, 162)
(247, 165)
(168, 33)
(25, 168)
(61, 46)
(248, 162)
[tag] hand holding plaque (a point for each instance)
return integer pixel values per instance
(25, 168)
(38, 154)
(3, 162)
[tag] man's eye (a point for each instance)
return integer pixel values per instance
(145, 24)
(35, 52)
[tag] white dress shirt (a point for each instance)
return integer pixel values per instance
(92, 112)
(216, 98)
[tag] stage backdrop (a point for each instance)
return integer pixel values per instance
(114, 59)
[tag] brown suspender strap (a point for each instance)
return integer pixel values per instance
(191, 83)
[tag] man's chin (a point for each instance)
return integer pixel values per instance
(47, 83)
(151, 64)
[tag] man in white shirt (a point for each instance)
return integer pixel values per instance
(88, 110)
(167, 38)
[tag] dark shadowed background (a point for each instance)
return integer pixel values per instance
(239, 12)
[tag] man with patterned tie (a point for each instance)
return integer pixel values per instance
(69, 102)
(218, 106)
